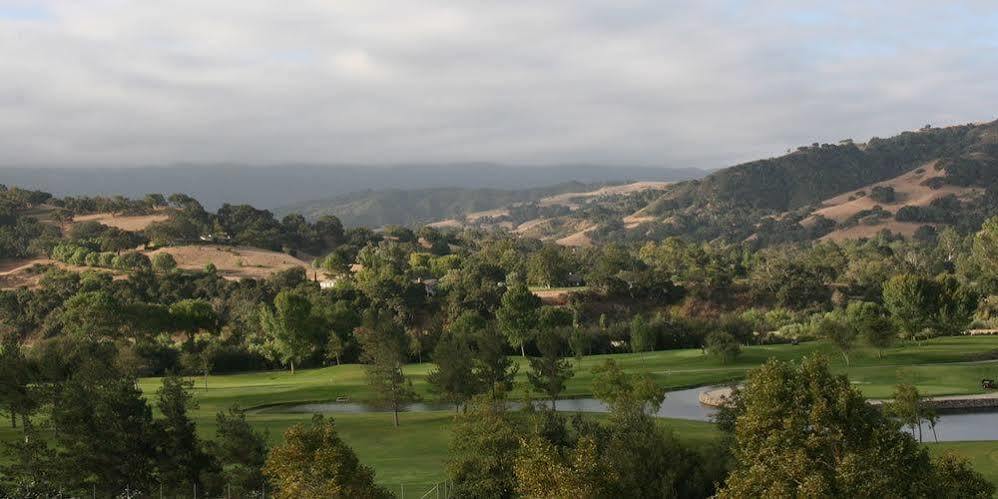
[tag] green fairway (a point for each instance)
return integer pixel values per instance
(416, 452)
(939, 367)
(982, 455)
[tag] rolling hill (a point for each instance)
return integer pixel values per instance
(936, 176)
(272, 186)
(929, 177)
(414, 207)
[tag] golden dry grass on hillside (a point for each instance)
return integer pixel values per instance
(233, 262)
(569, 198)
(909, 190)
(124, 222)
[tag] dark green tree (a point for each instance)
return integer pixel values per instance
(549, 372)
(493, 369)
(180, 455)
(912, 302)
(384, 348)
(871, 323)
(839, 333)
(453, 377)
(723, 346)
(16, 396)
(104, 433)
(240, 452)
(92, 315)
(643, 335)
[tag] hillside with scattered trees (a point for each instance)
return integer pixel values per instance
(485, 313)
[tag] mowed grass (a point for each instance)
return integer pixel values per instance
(941, 366)
(982, 455)
(416, 452)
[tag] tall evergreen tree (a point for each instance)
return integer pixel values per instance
(16, 396)
(104, 433)
(493, 369)
(384, 353)
(453, 377)
(180, 456)
(240, 452)
(549, 372)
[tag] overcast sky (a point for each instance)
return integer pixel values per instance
(698, 83)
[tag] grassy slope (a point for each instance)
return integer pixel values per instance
(672, 369)
(416, 451)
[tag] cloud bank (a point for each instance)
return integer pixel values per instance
(697, 83)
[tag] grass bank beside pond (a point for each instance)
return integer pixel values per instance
(941, 366)
(416, 452)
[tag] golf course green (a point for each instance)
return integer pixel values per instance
(415, 453)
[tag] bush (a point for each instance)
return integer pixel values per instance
(164, 262)
(132, 260)
(79, 256)
(107, 259)
(93, 260)
(883, 194)
(724, 346)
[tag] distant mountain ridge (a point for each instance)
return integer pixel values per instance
(282, 185)
(413, 207)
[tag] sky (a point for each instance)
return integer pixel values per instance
(660, 83)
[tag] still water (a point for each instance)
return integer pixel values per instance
(681, 404)
(684, 404)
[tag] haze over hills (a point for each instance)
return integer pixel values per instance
(376, 208)
(275, 186)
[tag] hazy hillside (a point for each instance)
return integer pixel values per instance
(281, 185)
(768, 198)
(924, 179)
(412, 207)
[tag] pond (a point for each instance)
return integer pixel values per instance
(684, 404)
(680, 404)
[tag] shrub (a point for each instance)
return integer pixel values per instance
(724, 346)
(79, 256)
(107, 259)
(163, 262)
(883, 194)
(93, 260)
(132, 260)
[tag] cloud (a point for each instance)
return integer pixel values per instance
(86, 82)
